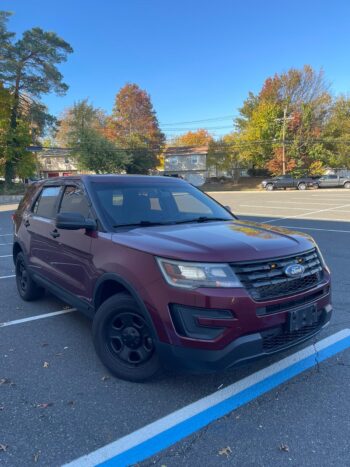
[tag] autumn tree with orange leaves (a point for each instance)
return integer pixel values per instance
(134, 127)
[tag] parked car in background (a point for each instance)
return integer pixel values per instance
(333, 181)
(287, 181)
(168, 275)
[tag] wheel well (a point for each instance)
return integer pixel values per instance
(107, 289)
(16, 249)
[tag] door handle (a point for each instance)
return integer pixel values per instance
(26, 223)
(54, 233)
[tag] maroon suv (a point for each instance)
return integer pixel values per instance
(168, 275)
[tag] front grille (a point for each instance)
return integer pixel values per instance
(278, 338)
(267, 280)
(278, 307)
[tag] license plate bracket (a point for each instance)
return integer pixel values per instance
(298, 319)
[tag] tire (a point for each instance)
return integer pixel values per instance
(124, 340)
(347, 185)
(269, 187)
(302, 186)
(27, 288)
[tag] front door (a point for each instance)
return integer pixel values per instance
(73, 265)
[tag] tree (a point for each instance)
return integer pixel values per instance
(82, 129)
(96, 153)
(134, 126)
(337, 134)
(82, 115)
(303, 94)
(29, 69)
(200, 137)
(224, 155)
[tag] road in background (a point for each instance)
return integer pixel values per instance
(53, 413)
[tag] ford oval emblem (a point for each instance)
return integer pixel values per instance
(294, 270)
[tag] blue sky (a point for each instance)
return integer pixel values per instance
(197, 58)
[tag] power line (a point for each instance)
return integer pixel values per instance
(214, 119)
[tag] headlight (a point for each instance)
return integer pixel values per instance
(194, 275)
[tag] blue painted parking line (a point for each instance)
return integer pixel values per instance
(161, 434)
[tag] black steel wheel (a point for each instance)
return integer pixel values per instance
(128, 338)
(124, 339)
(27, 288)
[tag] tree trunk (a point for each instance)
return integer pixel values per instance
(9, 173)
(10, 164)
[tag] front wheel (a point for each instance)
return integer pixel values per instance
(302, 186)
(347, 185)
(124, 341)
(269, 187)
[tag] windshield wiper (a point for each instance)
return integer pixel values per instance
(202, 219)
(141, 224)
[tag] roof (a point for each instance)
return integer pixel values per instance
(186, 151)
(122, 179)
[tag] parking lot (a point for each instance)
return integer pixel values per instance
(57, 402)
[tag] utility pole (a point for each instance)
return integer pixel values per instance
(284, 141)
(284, 120)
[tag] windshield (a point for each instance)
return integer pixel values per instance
(156, 204)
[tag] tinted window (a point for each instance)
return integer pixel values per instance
(74, 200)
(162, 203)
(45, 206)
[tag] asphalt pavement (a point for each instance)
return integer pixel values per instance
(57, 402)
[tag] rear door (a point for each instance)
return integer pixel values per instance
(40, 225)
(73, 266)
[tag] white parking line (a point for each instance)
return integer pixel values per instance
(272, 207)
(7, 277)
(6, 235)
(308, 213)
(1, 244)
(5, 256)
(34, 318)
(305, 202)
(170, 429)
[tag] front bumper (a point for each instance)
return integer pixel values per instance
(241, 350)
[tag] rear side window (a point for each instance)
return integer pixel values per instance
(74, 200)
(45, 205)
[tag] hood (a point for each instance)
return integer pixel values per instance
(215, 241)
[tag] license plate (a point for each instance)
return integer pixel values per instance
(298, 319)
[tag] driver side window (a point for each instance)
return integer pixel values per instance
(74, 200)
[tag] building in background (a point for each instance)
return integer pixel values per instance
(189, 163)
(55, 162)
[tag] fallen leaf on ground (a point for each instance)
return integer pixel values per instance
(71, 402)
(284, 447)
(104, 378)
(2, 407)
(3, 447)
(58, 354)
(45, 344)
(65, 348)
(5, 381)
(44, 405)
(225, 451)
(36, 456)
(46, 365)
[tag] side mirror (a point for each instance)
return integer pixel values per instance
(74, 221)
